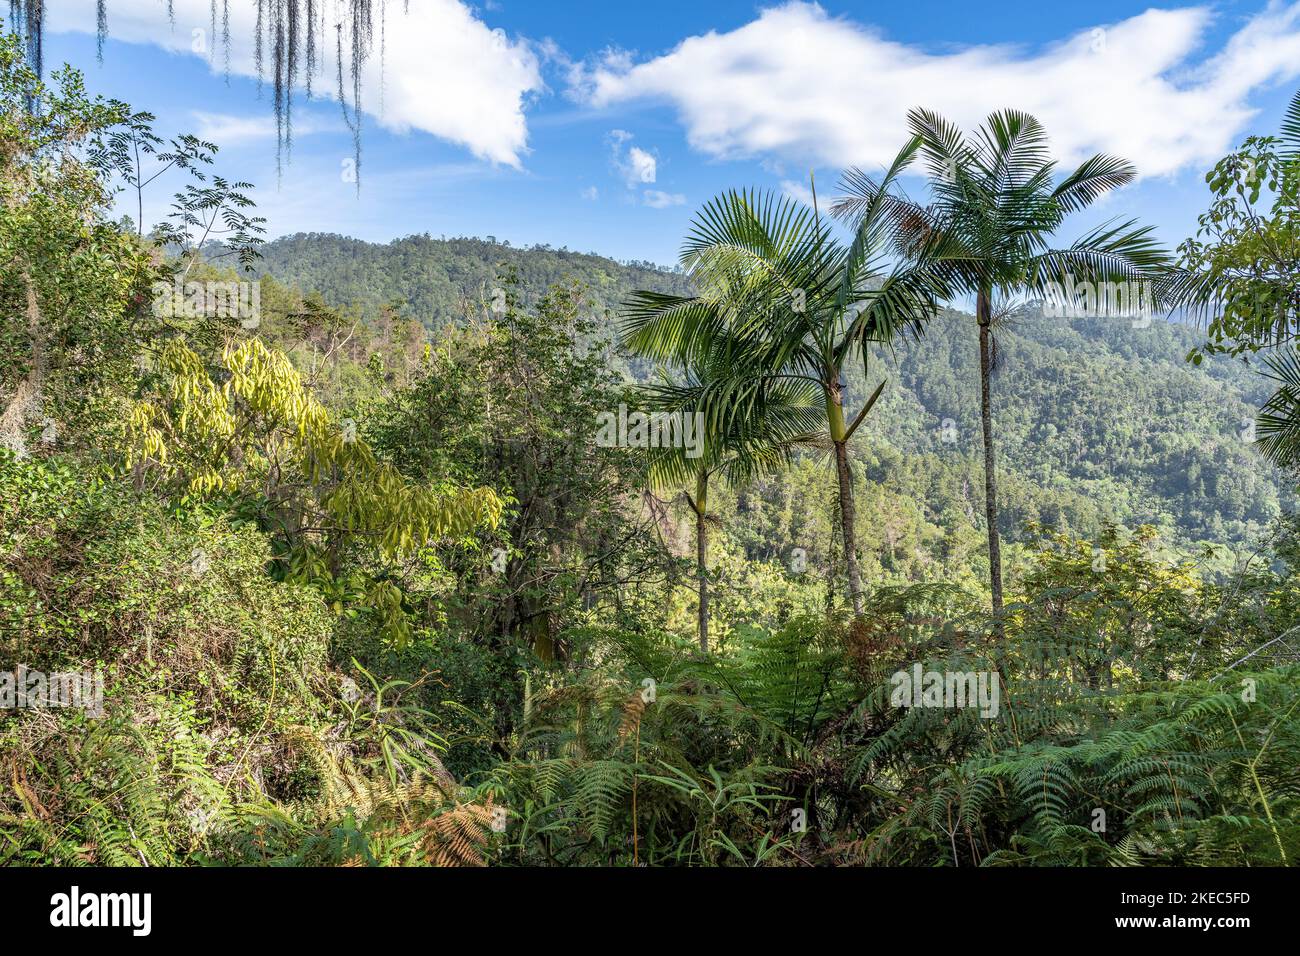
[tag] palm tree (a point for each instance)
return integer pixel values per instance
(781, 301)
(995, 207)
(733, 448)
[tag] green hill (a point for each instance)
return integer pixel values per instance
(1096, 420)
(1101, 418)
(438, 280)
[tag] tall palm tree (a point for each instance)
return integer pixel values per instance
(995, 207)
(782, 301)
(733, 448)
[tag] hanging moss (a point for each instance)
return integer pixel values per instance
(101, 28)
(225, 35)
(290, 30)
(31, 14)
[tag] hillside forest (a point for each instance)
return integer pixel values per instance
(845, 541)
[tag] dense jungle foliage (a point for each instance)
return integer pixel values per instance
(363, 586)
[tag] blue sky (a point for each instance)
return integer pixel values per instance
(602, 126)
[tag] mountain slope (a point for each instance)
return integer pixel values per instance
(1097, 409)
(1096, 420)
(439, 280)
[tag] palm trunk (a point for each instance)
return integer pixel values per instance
(702, 555)
(839, 436)
(983, 309)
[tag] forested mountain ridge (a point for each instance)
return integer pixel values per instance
(1099, 420)
(438, 280)
(1096, 414)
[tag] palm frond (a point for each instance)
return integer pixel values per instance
(1110, 253)
(1095, 177)
(1278, 422)
(670, 328)
(1290, 130)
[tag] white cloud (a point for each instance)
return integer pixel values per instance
(658, 199)
(445, 72)
(591, 193)
(641, 165)
(797, 83)
(636, 166)
(797, 191)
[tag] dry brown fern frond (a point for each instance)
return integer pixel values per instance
(30, 801)
(459, 836)
(633, 711)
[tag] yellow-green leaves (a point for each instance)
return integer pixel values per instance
(261, 431)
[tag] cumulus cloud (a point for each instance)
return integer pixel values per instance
(797, 83)
(658, 199)
(445, 72)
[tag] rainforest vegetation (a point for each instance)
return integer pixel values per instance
(363, 587)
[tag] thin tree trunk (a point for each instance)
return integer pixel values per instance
(984, 315)
(702, 555)
(839, 436)
(28, 397)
